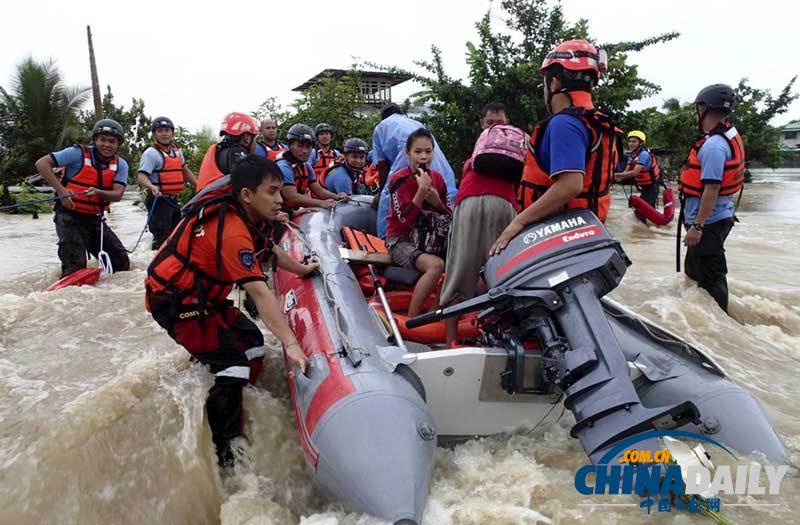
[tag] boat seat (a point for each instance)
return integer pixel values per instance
(399, 275)
(359, 240)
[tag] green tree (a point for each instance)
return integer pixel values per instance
(504, 67)
(194, 145)
(672, 131)
(755, 110)
(38, 114)
(7, 129)
(272, 108)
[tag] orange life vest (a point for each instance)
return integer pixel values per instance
(358, 240)
(91, 176)
(364, 183)
(733, 171)
(274, 150)
(601, 159)
(646, 177)
(324, 161)
(170, 177)
(173, 275)
(372, 177)
(300, 172)
(209, 172)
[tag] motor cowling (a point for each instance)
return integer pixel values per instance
(559, 249)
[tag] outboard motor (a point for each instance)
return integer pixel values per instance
(546, 286)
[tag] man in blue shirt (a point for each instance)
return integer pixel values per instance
(389, 152)
(559, 161)
(93, 177)
(643, 168)
(163, 173)
(713, 174)
(300, 185)
(269, 146)
(348, 176)
(323, 155)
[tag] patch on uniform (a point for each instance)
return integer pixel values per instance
(247, 258)
(289, 301)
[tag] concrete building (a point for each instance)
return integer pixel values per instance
(376, 86)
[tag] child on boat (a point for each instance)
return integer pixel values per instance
(419, 218)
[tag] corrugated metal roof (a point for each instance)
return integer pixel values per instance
(792, 126)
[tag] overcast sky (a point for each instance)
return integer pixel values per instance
(195, 62)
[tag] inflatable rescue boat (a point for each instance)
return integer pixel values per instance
(383, 390)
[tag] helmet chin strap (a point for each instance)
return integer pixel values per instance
(550, 94)
(550, 101)
(562, 91)
(583, 99)
(548, 77)
(700, 118)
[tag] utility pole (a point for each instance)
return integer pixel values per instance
(98, 101)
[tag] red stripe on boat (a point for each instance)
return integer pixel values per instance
(308, 323)
(548, 244)
(305, 440)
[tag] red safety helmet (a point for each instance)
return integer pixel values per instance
(238, 124)
(577, 55)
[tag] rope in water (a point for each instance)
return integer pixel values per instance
(36, 201)
(147, 222)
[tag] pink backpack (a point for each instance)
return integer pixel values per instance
(500, 152)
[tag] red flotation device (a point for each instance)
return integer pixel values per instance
(428, 334)
(84, 276)
(661, 218)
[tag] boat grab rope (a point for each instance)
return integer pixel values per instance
(301, 235)
(682, 344)
(354, 354)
